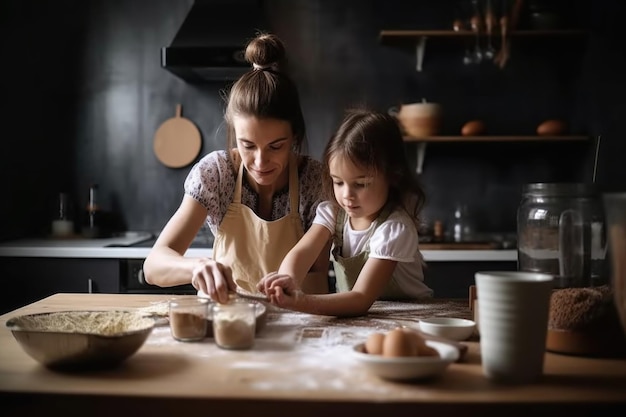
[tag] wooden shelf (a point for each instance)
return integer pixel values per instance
(495, 138)
(422, 142)
(416, 39)
(404, 37)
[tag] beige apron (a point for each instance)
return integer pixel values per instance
(347, 269)
(253, 247)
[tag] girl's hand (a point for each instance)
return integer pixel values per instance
(268, 281)
(280, 289)
(279, 297)
(213, 278)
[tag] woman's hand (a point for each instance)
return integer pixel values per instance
(213, 278)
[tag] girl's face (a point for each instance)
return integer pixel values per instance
(264, 146)
(361, 194)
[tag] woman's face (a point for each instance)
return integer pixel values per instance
(361, 194)
(264, 146)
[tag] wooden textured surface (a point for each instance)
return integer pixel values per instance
(300, 365)
(177, 141)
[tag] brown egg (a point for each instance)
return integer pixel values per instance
(399, 343)
(374, 344)
(473, 128)
(426, 350)
(418, 340)
(551, 127)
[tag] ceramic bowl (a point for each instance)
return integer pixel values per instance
(418, 119)
(81, 340)
(449, 328)
(408, 367)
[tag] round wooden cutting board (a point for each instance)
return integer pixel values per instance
(177, 141)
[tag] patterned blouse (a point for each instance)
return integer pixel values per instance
(211, 182)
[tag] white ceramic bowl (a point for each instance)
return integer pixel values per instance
(450, 328)
(408, 367)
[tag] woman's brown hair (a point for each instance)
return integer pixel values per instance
(266, 91)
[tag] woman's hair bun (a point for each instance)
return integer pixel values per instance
(266, 51)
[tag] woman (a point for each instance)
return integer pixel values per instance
(257, 197)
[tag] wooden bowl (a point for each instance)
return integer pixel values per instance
(418, 119)
(81, 340)
(591, 343)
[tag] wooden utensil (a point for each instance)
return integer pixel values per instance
(177, 141)
(508, 23)
(490, 22)
(503, 54)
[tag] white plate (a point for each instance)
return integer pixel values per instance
(411, 367)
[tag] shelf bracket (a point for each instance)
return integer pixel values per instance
(419, 52)
(421, 153)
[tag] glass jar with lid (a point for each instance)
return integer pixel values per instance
(560, 231)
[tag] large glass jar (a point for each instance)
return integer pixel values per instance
(560, 231)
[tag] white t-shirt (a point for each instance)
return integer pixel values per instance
(395, 239)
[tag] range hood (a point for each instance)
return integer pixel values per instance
(210, 44)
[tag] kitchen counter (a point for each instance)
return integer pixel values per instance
(300, 365)
(114, 248)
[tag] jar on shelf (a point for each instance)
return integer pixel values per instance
(62, 222)
(462, 229)
(561, 231)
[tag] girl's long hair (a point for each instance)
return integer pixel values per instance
(373, 140)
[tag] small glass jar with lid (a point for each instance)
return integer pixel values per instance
(561, 231)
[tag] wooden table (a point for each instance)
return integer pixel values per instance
(300, 366)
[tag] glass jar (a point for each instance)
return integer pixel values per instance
(462, 228)
(234, 324)
(188, 318)
(62, 223)
(615, 211)
(560, 231)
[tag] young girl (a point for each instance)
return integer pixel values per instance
(372, 217)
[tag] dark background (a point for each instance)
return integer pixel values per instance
(83, 94)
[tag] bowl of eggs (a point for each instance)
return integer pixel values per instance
(448, 327)
(402, 354)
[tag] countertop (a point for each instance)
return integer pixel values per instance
(122, 248)
(300, 365)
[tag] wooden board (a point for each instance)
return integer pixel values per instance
(177, 141)
(301, 364)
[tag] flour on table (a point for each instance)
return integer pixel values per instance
(313, 352)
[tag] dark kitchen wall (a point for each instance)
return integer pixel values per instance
(84, 93)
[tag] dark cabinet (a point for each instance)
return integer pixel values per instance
(26, 279)
(453, 279)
